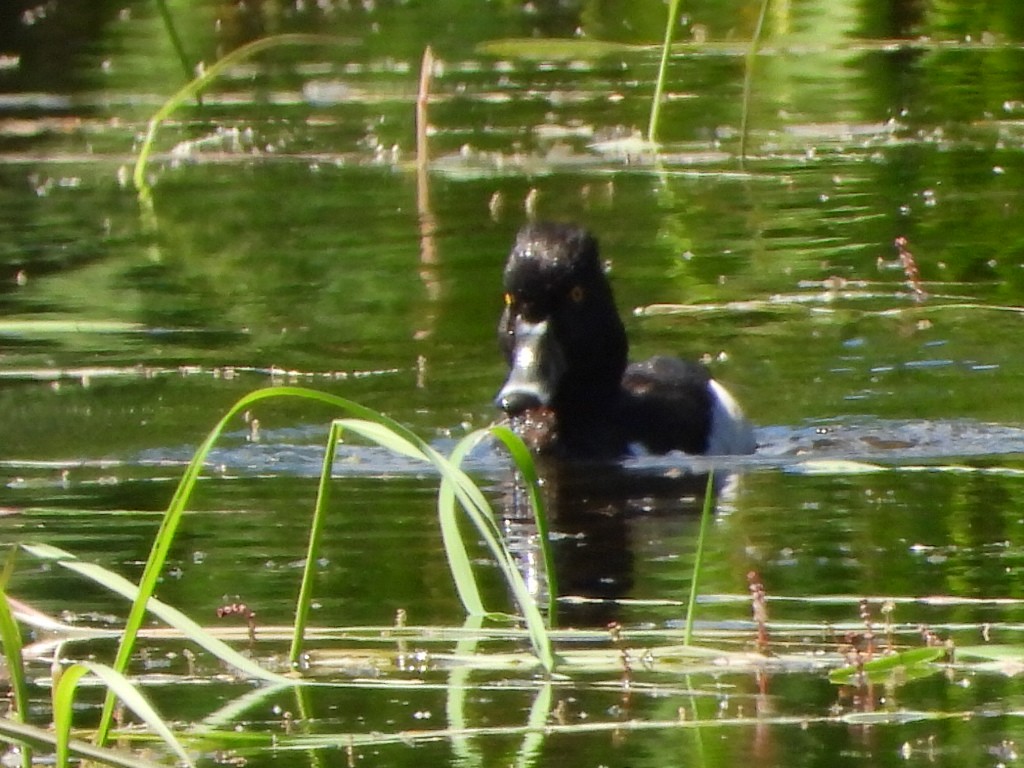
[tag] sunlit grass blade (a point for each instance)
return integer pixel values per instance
(64, 699)
(316, 528)
(13, 731)
(172, 616)
(10, 636)
(455, 550)
(698, 558)
(659, 83)
(399, 437)
(384, 437)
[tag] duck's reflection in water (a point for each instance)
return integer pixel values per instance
(601, 516)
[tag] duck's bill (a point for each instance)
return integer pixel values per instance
(536, 367)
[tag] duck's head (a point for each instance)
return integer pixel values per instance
(560, 332)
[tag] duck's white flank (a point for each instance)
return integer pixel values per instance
(731, 433)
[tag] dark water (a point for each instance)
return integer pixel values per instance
(291, 241)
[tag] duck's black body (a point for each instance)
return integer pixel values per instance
(569, 390)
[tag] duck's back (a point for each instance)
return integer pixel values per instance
(674, 404)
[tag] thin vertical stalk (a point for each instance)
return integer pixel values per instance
(179, 47)
(659, 85)
(705, 516)
(748, 78)
(316, 530)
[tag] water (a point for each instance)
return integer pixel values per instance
(291, 241)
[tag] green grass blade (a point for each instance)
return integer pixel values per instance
(698, 558)
(172, 616)
(451, 536)
(11, 730)
(63, 707)
(528, 471)
(10, 636)
(659, 84)
(193, 88)
(316, 528)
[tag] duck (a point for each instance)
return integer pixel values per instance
(570, 391)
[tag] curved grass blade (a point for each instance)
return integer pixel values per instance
(478, 509)
(454, 547)
(172, 518)
(523, 460)
(64, 699)
(11, 730)
(383, 437)
(481, 515)
(193, 88)
(172, 616)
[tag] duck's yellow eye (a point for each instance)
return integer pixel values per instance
(508, 299)
(576, 294)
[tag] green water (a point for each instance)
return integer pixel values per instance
(291, 240)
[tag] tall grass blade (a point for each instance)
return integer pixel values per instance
(64, 699)
(316, 528)
(659, 85)
(10, 636)
(455, 550)
(698, 558)
(748, 78)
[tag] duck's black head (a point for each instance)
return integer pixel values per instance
(560, 331)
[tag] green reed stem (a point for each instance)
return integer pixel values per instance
(698, 558)
(659, 85)
(748, 78)
(316, 529)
